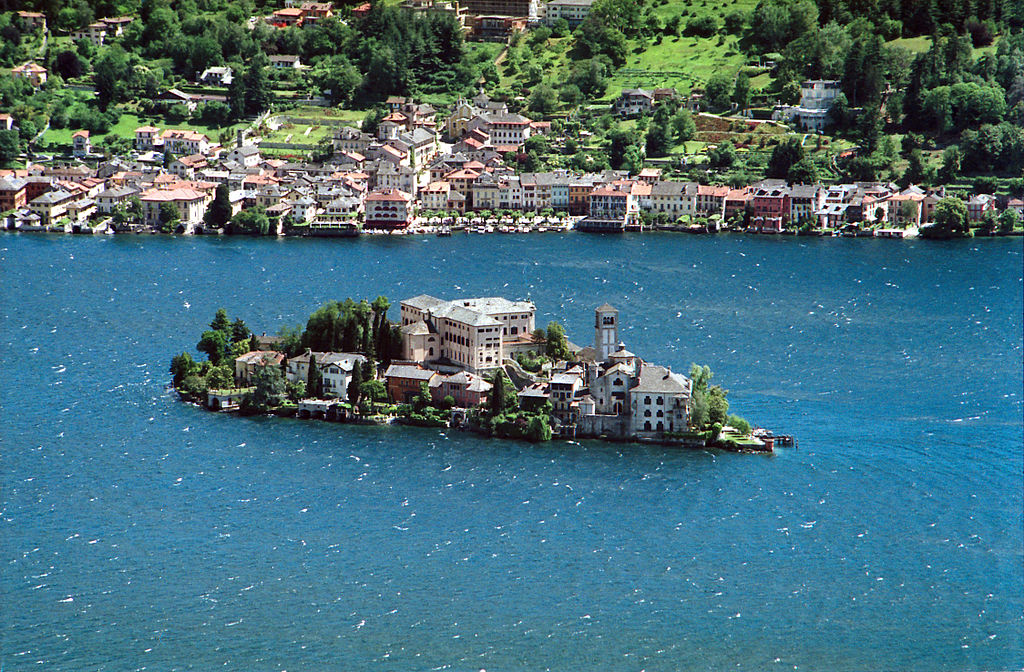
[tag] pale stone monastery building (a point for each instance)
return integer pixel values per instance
(470, 334)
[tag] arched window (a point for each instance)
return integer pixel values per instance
(430, 352)
(660, 401)
(647, 413)
(515, 330)
(647, 426)
(647, 400)
(661, 414)
(661, 426)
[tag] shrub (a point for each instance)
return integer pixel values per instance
(701, 26)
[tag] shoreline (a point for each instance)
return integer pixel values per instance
(886, 234)
(763, 448)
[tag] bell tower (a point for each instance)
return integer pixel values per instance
(606, 331)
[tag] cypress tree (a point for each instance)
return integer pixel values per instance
(354, 384)
(314, 379)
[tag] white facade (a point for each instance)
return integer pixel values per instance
(468, 332)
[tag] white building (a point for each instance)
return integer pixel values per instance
(659, 401)
(573, 11)
(468, 333)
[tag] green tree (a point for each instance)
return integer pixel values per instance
(221, 322)
(337, 75)
(111, 74)
(422, 399)
(683, 125)
(659, 138)
(718, 91)
(373, 391)
(699, 410)
(169, 217)
(718, 405)
(269, 390)
(739, 424)
(219, 212)
(8, 146)
(803, 172)
(949, 219)
(741, 90)
(916, 172)
(556, 345)
(181, 367)
(372, 120)
(543, 99)
(1007, 220)
(355, 386)
(701, 377)
(135, 208)
(314, 379)
(785, 154)
(621, 141)
(214, 344)
(722, 156)
(240, 331)
(502, 395)
(258, 91)
(538, 429)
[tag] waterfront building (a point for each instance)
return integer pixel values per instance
(108, 199)
(51, 205)
(388, 209)
(404, 380)
(611, 210)
(246, 365)
(191, 204)
(659, 401)
(13, 193)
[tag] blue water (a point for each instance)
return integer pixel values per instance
(142, 533)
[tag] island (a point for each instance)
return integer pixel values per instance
(475, 364)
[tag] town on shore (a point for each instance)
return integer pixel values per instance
(478, 364)
(424, 173)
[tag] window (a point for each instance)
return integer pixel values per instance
(430, 352)
(515, 330)
(647, 426)
(647, 400)
(661, 414)
(647, 413)
(661, 401)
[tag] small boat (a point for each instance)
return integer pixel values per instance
(444, 231)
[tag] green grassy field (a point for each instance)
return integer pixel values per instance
(313, 112)
(678, 61)
(685, 62)
(127, 124)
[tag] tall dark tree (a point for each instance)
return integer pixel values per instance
(221, 322)
(785, 154)
(314, 379)
(219, 212)
(239, 331)
(354, 386)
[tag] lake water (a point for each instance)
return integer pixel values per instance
(142, 533)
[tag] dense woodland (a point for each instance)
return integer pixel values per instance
(961, 96)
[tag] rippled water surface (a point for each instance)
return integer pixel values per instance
(141, 533)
